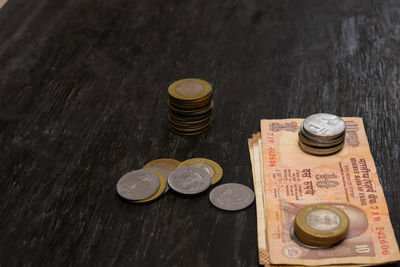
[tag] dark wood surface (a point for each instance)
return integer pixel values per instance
(83, 91)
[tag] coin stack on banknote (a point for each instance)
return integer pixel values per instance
(319, 211)
(190, 106)
(322, 134)
(190, 177)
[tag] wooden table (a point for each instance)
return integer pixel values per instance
(83, 91)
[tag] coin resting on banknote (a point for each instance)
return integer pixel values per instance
(321, 225)
(322, 134)
(327, 210)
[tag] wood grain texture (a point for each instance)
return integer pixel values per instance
(83, 91)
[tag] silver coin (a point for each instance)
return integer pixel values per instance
(163, 172)
(205, 167)
(321, 151)
(189, 180)
(323, 220)
(137, 185)
(231, 196)
(308, 140)
(324, 125)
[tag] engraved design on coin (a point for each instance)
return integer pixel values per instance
(323, 220)
(323, 124)
(205, 167)
(164, 172)
(189, 88)
(189, 180)
(137, 185)
(231, 196)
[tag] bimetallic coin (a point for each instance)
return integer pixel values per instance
(137, 185)
(162, 172)
(231, 196)
(160, 191)
(324, 125)
(213, 168)
(321, 225)
(167, 164)
(189, 180)
(189, 89)
(321, 151)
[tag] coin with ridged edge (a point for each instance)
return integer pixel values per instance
(231, 196)
(321, 225)
(213, 168)
(190, 106)
(320, 143)
(321, 151)
(160, 191)
(189, 180)
(137, 185)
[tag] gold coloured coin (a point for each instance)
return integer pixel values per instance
(189, 89)
(160, 191)
(213, 168)
(166, 163)
(321, 225)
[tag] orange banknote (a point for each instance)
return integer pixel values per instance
(348, 180)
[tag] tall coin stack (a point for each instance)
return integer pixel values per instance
(190, 106)
(322, 134)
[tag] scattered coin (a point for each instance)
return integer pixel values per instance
(159, 192)
(138, 185)
(189, 180)
(163, 173)
(321, 225)
(231, 196)
(190, 106)
(167, 164)
(213, 168)
(322, 134)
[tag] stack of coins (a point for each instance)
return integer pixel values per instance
(322, 134)
(190, 106)
(320, 225)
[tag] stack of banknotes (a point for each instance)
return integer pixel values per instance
(286, 179)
